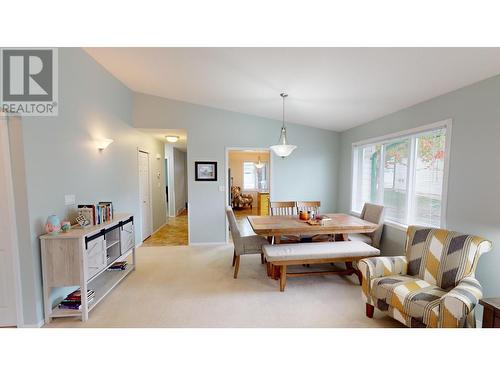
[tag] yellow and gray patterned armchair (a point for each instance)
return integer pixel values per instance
(433, 285)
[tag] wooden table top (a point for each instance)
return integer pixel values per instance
(494, 303)
(340, 223)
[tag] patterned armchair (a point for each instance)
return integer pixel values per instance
(240, 200)
(433, 285)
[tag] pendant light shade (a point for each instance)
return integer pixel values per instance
(259, 164)
(283, 148)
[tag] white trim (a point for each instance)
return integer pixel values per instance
(11, 215)
(138, 245)
(446, 124)
(150, 183)
(226, 179)
(405, 133)
(208, 243)
(389, 223)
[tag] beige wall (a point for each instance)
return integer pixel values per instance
(236, 160)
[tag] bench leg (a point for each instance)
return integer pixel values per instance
(282, 278)
(268, 269)
(262, 258)
(369, 310)
(236, 266)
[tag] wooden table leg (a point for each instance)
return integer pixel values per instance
(277, 239)
(282, 278)
(344, 236)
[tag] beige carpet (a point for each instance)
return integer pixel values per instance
(188, 286)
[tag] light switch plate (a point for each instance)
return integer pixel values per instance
(69, 199)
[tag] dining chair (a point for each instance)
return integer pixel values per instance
(243, 245)
(285, 208)
(308, 206)
(312, 206)
(282, 208)
(373, 213)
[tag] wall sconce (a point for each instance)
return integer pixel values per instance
(103, 143)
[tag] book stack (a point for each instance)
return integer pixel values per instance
(97, 214)
(73, 301)
(104, 212)
(118, 266)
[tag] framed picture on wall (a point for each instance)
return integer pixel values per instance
(205, 171)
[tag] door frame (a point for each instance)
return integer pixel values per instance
(150, 192)
(226, 177)
(5, 160)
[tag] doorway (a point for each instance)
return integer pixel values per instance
(145, 195)
(10, 298)
(175, 184)
(249, 182)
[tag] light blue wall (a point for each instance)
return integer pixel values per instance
(310, 173)
(474, 176)
(60, 158)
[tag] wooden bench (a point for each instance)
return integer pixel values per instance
(283, 255)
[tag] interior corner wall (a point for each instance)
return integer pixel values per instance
(473, 202)
(59, 157)
(309, 173)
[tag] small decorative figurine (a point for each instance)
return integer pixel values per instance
(65, 226)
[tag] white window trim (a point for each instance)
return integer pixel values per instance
(402, 134)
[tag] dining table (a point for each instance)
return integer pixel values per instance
(337, 224)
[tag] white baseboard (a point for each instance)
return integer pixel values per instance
(207, 243)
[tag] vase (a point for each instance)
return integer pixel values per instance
(53, 225)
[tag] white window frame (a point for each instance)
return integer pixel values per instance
(412, 133)
(255, 184)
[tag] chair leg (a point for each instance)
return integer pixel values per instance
(237, 266)
(234, 258)
(282, 278)
(369, 310)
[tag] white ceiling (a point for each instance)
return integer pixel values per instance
(160, 135)
(331, 88)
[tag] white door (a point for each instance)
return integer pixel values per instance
(8, 310)
(145, 194)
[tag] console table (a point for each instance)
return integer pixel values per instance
(81, 257)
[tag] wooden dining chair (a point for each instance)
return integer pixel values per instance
(285, 208)
(308, 206)
(312, 206)
(282, 208)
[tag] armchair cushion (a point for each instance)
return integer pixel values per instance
(409, 295)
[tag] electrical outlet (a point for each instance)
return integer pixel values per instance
(69, 199)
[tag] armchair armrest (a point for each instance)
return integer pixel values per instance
(372, 268)
(456, 307)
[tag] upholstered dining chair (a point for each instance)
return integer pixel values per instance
(432, 285)
(243, 245)
(373, 213)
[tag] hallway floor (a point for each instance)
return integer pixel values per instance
(174, 233)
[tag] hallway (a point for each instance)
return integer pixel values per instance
(174, 233)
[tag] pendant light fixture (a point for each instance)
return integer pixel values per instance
(283, 149)
(259, 164)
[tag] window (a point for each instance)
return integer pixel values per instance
(255, 178)
(405, 173)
